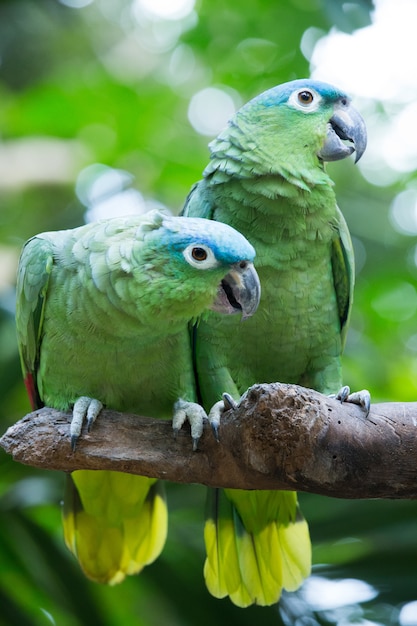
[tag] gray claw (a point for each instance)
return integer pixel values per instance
(226, 404)
(215, 429)
(192, 413)
(343, 394)
(214, 417)
(361, 398)
(84, 408)
(229, 402)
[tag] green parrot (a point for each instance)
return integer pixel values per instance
(102, 318)
(266, 178)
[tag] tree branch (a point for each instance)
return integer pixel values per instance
(280, 437)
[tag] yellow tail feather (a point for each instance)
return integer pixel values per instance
(114, 523)
(257, 544)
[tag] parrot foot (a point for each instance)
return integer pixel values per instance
(217, 410)
(362, 398)
(84, 407)
(194, 414)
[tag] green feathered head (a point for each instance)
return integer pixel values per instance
(291, 128)
(170, 268)
(209, 263)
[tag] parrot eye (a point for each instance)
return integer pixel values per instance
(200, 256)
(305, 97)
(306, 100)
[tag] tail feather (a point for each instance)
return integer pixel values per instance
(114, 523)
(146, 538)
(296, 553)
(257, 544)
(219, 536)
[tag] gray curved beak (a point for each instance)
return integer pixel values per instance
(346, 124)
(239, 291)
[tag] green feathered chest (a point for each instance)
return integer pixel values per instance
(295, 335)
(92, 348)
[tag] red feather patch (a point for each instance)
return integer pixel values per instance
(32, 391)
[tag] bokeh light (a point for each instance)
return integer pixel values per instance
(323, 594)
(408, 614)
(403, 212)
(373, 62)
(376, 63)
(166, 9)
(76, 4)
(106, 192)
(397, 304)
(210, 109)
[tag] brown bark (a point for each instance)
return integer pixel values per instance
(280, 437)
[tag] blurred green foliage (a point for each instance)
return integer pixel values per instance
(106, 83)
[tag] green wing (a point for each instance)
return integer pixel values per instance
(343, 266)
(198, 202)
(34, 272)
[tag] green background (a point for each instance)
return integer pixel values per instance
(103, 84)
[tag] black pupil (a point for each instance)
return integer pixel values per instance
(306, 96)
(199, 254)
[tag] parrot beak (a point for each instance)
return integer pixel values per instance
(345, 124)
(239, 291)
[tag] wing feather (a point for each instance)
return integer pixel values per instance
(33, 276)
(343, 265)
